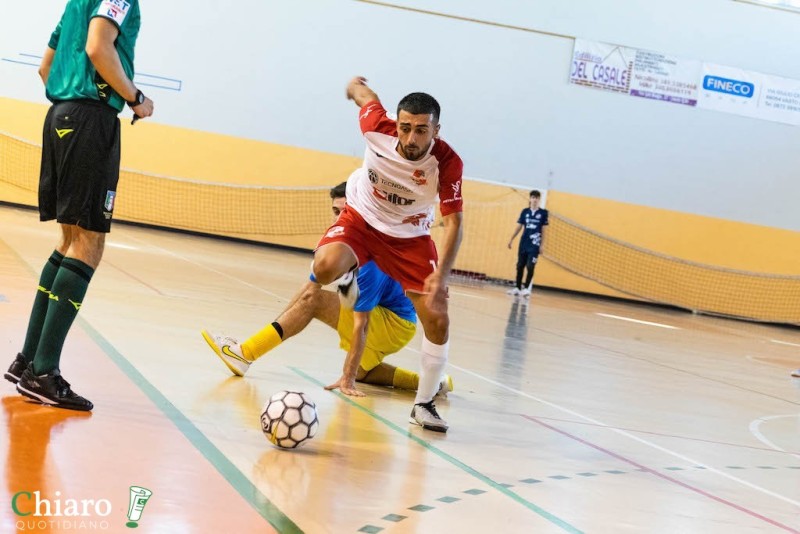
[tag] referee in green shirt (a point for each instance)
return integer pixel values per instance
(88, 71)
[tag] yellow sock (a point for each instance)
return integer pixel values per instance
(405, 379)
(264, 341)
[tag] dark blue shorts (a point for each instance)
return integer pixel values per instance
(527, 257)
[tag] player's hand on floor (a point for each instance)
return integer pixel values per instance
(348, 387)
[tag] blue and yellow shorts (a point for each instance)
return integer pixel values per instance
(387, 333)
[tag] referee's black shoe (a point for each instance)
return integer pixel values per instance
(18, 366)
(51, 389)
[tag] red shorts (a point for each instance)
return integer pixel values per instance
(408, 260)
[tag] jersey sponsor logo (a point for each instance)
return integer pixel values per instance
(456, 193)
(373, 176)
(334, 231)
(115, 10)
(394, 185)
(366, 113)
(64, 131)
(419, 177)
(415, 220)
(109, 203)
(394, 198)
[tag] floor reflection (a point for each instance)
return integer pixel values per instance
(29, 429)
(514, 350)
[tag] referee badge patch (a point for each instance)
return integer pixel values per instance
(109, 203)
(115, 10)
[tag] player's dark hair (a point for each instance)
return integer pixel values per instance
(420, 104)
(535, 193)
(339, 191)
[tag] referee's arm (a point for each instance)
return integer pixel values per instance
(47, 62)
(103, 55)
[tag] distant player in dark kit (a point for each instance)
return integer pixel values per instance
(532, 220)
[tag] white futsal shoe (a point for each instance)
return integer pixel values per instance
(229, 351)
(445, 387)
(426, 416)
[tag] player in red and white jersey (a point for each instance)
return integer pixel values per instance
(389, 212)
(396, 194)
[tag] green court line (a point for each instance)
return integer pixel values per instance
(225, 467)
(230, 472)
(458, 463)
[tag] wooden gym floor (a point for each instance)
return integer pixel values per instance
(570, 413)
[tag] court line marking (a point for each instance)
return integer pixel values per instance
(676, 436)
(450, 459)
(248, 284)
(122, 246)
(620, 318)
(196, 264)
(135, 278)
(599, 423)
(460, 294)
(243, 486)
(754, 429)
(779, 342)
(756, 359)
(665, 477)
(619, 353)
(626, 434)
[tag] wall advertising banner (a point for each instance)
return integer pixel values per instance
(666, 78)
(603, 66)
(648, 74)
(751, 94)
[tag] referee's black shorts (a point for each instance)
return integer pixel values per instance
(80, 164)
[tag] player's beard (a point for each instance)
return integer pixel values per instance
(414, 155)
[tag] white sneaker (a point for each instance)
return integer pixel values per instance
(229, 351)
(425, 415)
(525, 292)
(348, 289)
(445, 387)
(513, 291)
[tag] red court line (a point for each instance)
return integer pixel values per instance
(665, 477)
(676, 436)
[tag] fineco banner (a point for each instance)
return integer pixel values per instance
(648, 74)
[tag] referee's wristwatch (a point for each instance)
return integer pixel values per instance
(138, 99)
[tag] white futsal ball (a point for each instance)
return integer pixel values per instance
(289, 419)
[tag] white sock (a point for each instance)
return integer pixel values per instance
(432, 363)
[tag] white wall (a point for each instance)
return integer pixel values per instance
(276, 71)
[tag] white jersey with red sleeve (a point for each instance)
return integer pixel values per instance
(397, 196)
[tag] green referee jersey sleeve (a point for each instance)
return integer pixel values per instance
(55, 37)
(72, 75)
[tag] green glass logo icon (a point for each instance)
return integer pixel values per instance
(139, 497)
